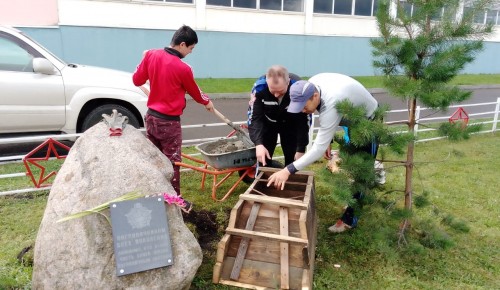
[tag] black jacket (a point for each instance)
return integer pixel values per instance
(269, 117)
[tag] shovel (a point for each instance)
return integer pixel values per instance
(242, 135)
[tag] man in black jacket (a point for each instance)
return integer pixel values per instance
(268, 118)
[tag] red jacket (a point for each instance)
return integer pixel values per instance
(170, 78)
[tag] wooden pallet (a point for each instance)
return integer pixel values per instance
(271, 237)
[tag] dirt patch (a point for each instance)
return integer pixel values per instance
(224, 146)
(206, 227)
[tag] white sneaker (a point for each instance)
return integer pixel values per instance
(379, 172)
(339, 227)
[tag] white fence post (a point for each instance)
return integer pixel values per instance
(311, 132)
(417, 117)
(495, 118)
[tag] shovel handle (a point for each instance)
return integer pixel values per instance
(246, 139)
(226, 120)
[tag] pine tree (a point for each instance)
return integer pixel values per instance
(420, 51)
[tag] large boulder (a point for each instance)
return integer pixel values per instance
(78, 254)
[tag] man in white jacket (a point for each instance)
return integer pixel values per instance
(322, 92)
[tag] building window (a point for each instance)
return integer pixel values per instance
(492, 16)
(343, 7)
(406, 7)
(245, 3)
(270, 4)
(322, 6)
(438, 15)
(477, 17)
(346, 7)
(410, 10)
(176, 1)
(219, 2)
(293, 5)
(363, 7)
(279, 5)
(488, 16)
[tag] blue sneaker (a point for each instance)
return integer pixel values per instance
(354, 222)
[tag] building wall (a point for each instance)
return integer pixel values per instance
(232, 42)
(28, 12)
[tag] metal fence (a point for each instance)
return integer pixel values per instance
(488, 114)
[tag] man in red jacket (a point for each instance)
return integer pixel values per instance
(170, 78)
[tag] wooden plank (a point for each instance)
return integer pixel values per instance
(287, 182)
(274, 200)
(284, 277)
(235, 273)
(303, 224)
(306, 283)
(235, 213)
(312, 248)
(268, 251)
(268, 211)
(271, 226)
(217, 272)
(272, 170)
(222, 248)
(307, 194)
(260, 274)
(243, 285)
(253, 234)
(291, 191)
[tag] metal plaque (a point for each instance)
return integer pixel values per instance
(141, 237)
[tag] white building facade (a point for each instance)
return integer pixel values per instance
(237, 38)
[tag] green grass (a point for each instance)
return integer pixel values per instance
(244, 85)
(453, 243)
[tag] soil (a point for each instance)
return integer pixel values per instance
(206, 227)
(224, 146)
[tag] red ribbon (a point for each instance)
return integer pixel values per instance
(115, 131)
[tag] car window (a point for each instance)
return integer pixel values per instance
(13, 57)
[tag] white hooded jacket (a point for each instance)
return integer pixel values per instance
(334, 88)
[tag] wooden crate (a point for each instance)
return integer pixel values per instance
(271, 237)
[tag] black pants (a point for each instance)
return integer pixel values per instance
(288, 140)
(372, 149)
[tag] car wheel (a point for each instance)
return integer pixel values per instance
(250, 177)
(95, 116)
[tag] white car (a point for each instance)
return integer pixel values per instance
(39, 92)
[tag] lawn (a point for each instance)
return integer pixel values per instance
(211, 85)
(453, 243)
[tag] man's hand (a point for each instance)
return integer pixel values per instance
(279, 178)
(209, 106)
(262, 153)
(252, 99)
(298, 155)
(328, 153)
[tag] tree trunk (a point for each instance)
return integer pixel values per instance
(409, 155)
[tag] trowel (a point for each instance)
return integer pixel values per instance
(242, 135)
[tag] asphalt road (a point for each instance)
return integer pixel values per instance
(234, 107)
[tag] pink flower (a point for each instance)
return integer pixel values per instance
(174, 199)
